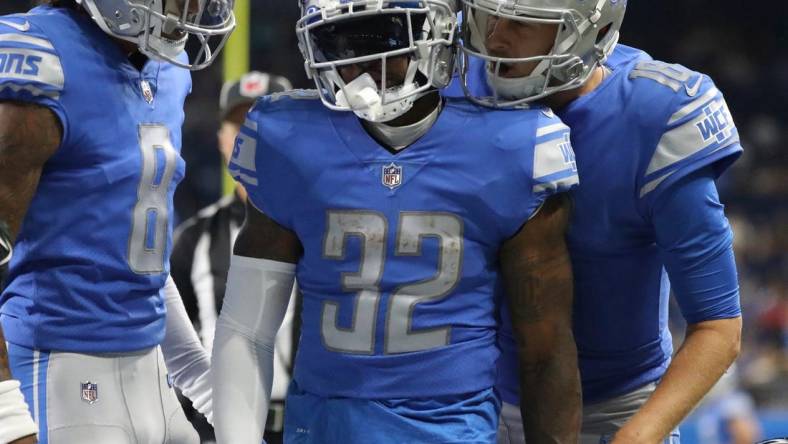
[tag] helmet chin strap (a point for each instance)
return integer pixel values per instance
(162, 45)
(515, 88)
(364, 98)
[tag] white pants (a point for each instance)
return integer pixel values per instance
(107, 399)
(600, 421)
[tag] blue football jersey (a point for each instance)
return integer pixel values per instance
(92, 253)
(399, 274)
(647, 126)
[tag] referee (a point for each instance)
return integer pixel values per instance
(203, 246)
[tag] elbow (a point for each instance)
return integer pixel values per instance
(732, 331)
(735, 347)
(728, 334)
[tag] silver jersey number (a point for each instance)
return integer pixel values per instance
(371, 228)
(150, 218)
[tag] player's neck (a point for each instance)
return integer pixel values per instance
(564, 98)
(136, 58)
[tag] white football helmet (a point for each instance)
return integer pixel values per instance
(161, 28)
(333, 34)
(588, 31)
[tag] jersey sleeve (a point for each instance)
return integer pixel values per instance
(554, 167)
(30, 67)
(261, 164)
(696, 246)
(546, 168)
(698, 133)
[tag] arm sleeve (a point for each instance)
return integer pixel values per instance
(186, 359)
(696, 245)
(30, 68)
(258, 292)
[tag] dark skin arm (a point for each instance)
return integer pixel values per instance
(29, 136)
(262, 238)
(538, 281)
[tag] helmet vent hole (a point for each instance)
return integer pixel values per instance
(603, 32)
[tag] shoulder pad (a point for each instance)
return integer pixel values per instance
(294, 94)
(693, 127)
(623, 55)
(554, 166)
(292, 100)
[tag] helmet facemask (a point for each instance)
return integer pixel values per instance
(163, 29)
(406, 45)
(582, 42)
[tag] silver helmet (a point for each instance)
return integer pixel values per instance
(587, 32)
(337, 34)
(161, 28)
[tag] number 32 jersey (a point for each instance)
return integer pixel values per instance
(92, 254)
(399, 274)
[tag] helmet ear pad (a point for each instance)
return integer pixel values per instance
(445, 59)
(118, 17)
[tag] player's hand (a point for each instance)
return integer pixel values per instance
(26, 440)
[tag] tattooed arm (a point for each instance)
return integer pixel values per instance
(259, 285)
(538, 281)
(29, 136)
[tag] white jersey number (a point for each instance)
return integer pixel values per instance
(372, 229)
(671, 75)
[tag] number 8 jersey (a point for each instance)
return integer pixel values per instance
(93, 250)
(399, 273)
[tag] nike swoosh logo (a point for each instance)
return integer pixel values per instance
(693, 90)
(23, 27)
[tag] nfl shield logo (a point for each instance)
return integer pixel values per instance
(147, 92)
(89, 392)
(392, 176)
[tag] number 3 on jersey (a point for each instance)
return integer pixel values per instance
(150, 217)
(371, 228)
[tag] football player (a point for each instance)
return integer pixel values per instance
(91, 107)
(651, 138)
(401, 220)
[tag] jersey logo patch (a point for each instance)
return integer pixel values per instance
(24, 27)
(568, 153)
(19, 64)
(717, 123)
(692, 91)
(147, 91)
(89, 392)
(392, 176)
